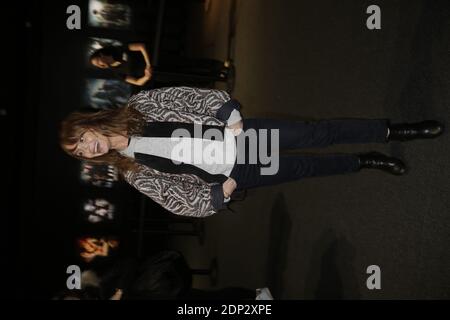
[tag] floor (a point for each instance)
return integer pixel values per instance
(314, 239)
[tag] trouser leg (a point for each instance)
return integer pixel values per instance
(302, 134)
(295, 167)
(307, 134)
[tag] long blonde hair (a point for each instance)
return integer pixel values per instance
(107, 122)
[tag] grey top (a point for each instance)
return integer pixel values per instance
(212, 156)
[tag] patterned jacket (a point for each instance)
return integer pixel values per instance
(182, 194)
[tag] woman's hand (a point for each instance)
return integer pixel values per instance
(142, 80)
(228, 187)
(236, 128)
(148, 72)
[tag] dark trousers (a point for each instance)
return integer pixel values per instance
(307, 134)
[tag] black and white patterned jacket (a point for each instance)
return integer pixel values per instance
(181, 194)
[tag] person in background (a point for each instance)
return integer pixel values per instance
(130, 63)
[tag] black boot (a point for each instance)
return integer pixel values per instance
(376, 160)
(421, 130)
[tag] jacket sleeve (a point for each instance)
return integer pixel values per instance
(211, 102)
(184, 195)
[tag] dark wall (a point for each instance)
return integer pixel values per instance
(46, 189)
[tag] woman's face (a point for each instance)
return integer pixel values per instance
(91, 144)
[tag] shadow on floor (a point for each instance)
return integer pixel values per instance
(280, 231)
(332, 274)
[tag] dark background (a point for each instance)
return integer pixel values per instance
(44, 185)
(294, 59)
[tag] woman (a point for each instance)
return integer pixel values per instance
(137, 139)
(130, 63)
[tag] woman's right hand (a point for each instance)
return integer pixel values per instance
(236, 128)
(228, 187)
(148, 73)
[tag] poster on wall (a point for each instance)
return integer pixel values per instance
(94, 44)
(98, 210)
(106, 93)
(99, 175)
(109, 14)
(91, 247)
